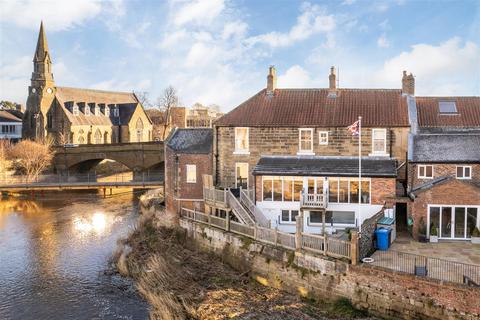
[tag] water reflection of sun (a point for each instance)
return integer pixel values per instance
(96, 223)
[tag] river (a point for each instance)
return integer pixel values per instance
(54, 257)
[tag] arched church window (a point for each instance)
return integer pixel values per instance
(81, 138)
(106, 138)
(139, 129)
(98, 137)
(49, 120)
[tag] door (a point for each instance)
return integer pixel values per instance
(459, 223)
(241, 175)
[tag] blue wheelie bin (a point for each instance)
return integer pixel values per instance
(382, 236)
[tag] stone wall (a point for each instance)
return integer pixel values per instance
(382, 293)
(365, 242)
(284, 141)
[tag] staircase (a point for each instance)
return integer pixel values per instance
(239, 211)
(253, 210)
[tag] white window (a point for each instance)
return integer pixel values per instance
(191, 173)
(75, 110)
(241, 175)
(97, 111)
(323, 137)
(464, 172)
(305, 141)
(241, 140)
(425, 172)
(289, 216)
(115, 112)
(87, 110)
(379, 141)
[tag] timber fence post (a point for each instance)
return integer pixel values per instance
(354, 248)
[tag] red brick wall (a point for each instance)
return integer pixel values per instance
(176, 186)
(440, 170)
(453, 192)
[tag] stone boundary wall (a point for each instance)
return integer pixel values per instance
(365, 242)
(381, 292)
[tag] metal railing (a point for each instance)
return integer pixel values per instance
(313, 200)
(430, 267)
(240, 212)
(332, 247)
(248, 202)
(79, 179)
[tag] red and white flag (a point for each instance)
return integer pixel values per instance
(353, 129)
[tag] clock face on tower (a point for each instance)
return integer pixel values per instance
(34, 90)
(49, 90)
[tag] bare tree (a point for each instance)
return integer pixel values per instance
(143, 98)
(166, 102)
(63, 138)
(32, 157)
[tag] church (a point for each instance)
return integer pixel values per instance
(79, 116)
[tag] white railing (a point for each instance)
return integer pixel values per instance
(248, 202)
(218, 196)
(313, 200)
(240, 212)
(326, 245)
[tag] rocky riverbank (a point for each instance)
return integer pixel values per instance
(180, 282)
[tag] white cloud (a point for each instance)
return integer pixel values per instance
(236, 29)
(123, 85)
(383, 42)
(295, 77)
(348, 2)
(57, 15)
(313, 20)
(201, 12)
(447, 69)
(14, 79)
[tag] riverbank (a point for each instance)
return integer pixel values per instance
(180, 282)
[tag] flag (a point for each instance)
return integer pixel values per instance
(353, 129)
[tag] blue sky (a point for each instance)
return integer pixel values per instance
(218, 51)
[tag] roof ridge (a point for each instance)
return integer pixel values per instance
(96, 90)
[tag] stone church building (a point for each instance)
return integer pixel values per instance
(79, 116)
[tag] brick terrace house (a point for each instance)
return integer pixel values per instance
(188, 156)
(444, 166)
(282, 142)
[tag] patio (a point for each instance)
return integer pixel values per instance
(458, 251)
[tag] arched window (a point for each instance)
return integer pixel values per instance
(81, 138)
(106, 138)
(139, 129)
(98, 137)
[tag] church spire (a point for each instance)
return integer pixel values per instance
(42, 46)
(42, 64)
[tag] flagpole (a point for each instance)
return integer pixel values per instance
(359, 167)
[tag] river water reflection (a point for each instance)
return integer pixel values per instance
(54, 255)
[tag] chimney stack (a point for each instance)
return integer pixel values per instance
(332, 78)
(408, 84)
(271, 80)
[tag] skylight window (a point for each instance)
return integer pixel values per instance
(447, 107)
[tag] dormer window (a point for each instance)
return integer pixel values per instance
(75, 110)
(107, 111)
(97, 110)
(447, 107)
(116, 112)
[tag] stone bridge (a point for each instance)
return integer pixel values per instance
(140, 157)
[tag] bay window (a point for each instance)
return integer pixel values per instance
(241, 140)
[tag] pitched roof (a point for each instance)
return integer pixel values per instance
(468, 112)
(66, 94)
(191, 140)
(314, 107)
(324, 166)
(6, 116)
(439, 181)
(446, 148)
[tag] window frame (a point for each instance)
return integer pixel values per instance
(463, 177)
(305, 151)
(289, 221)
(320, 142)
(75, 110)
(424, 176)
(384, 152)
(237, 150)
(188, 168)
(236, 176)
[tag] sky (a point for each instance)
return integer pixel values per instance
(219, 51)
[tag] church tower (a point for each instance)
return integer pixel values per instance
(41, 91)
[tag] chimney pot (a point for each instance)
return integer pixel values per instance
(271, 80)
(332, 79)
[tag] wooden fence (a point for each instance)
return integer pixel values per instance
(325, 245)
